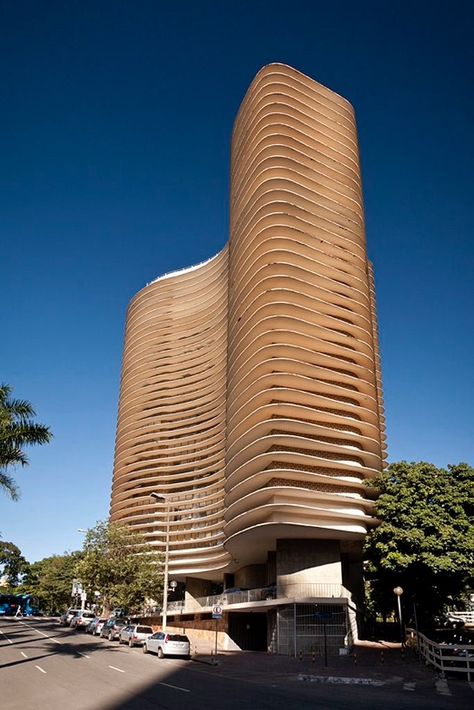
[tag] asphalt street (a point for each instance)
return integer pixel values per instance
(47, 667)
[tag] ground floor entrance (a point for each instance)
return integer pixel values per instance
(248, 630)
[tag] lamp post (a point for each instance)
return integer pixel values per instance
(166, 501)
(398, 591)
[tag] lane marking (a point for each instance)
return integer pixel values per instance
(51, 638)
(9, 640)
(23, 654)
(471, 685)
(40, 669)
(117, 669)
(176, 687)
(409, 686)
(83, 654)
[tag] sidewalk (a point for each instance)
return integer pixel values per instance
(388, 664)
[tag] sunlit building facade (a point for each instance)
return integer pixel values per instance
(251, 390)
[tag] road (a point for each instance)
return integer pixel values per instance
(46, 667)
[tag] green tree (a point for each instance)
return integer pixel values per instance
(17, 430)
(120, 565)
(50, 581)
(13, 563)
(425, 541)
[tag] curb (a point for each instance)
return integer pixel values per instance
(340, 680)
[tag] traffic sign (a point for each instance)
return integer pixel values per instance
(76, 587)
(217, 612)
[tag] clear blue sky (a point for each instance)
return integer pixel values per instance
(114, 142)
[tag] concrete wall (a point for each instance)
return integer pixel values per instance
(306, 562)
(250, 577)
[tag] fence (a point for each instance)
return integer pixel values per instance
(466, 616)
(241, 596)
(447, 658)
(309, 629)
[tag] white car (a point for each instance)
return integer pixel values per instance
(81, 620)
(167, 645)
(135, 634)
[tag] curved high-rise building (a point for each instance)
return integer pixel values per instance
(303, 416)
(171, 423)
(251, 391)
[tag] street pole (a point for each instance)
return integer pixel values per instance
(165, 580)
(166, 501)
(398, 591)
(325, 645)
(416, 628)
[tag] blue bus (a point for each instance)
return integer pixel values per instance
(9, 604)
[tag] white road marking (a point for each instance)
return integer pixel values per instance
(117, 669)
(51, 638)
(40, 669)
(83, 654)
(409, 686)
(442, 687)
(471, 685)
(176, 687)
(9, 640)
(23, 654)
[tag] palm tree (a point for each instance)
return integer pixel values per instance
(17, 430)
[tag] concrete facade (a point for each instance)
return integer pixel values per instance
(251, 388)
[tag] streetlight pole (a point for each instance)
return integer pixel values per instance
(166, 501)
(398, 591)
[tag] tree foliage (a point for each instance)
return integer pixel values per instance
(425, 542)
(120, 566)
(13, 563)
(50, 581)
(17, 430)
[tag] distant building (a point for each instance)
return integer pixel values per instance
(251, 391)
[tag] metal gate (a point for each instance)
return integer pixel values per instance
(307, 629)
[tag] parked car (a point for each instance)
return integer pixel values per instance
(167, 645)
(96, 625)
(134, 634)
(81, 620)
(65, 619)
(112, 628)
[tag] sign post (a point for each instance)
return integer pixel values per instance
(216, 615)
(76, 590)
(324, 616)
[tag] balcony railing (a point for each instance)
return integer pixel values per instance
(245, 596)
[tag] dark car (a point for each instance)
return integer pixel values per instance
(112, 629)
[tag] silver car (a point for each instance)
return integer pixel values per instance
(65, 619)
(81, 620)
(167, 645)
(134, 634)
(95, 627)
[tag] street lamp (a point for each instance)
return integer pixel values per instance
(166, 500)
(398, 591)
